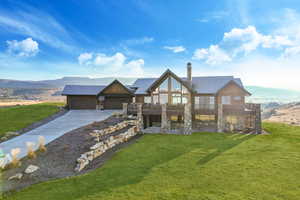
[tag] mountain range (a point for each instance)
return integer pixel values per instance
(259, 94)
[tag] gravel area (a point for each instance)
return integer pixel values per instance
(60, 159)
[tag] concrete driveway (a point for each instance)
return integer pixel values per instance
(56, 128)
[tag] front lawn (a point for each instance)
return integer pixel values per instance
(202, 166)
(18, 117)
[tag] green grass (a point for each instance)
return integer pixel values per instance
(18, 117)
(202, 166)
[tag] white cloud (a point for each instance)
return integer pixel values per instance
(249, 39)
(212, 55)
(136, 66)
(26, 48)
(84, 58)
(245, 41)
(291, 52)
(36, 24)
(214, 16)
(116, 63)
(175, 49)
(137, 41)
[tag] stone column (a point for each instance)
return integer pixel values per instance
(125, 109)
(258, 128)
(147, 121)
(140, 116)
(220, 122)
(188, 117)
(164, 119)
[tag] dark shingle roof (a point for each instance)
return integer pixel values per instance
(202, 85)
(212, 84)
(82, 89)
(143, 84)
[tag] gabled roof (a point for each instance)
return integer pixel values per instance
(168, 72)
(212, 84)
(128, 89)
(91, 89)
(82, 89)
(201, 85)
(236, 82)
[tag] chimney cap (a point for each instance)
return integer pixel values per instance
(189, 63)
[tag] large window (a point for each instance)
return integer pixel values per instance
(178, 93)
(147, 99)
(163, 98)
(175, 85)
(176, 98)
(164, 86)
(205, 102)
(226, 100)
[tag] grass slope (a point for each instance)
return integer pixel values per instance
(201, 166)
(16, 118)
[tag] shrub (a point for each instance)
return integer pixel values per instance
(41, 144)
(30, 151)
(15, 162)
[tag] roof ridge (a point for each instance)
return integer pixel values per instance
(210, 76)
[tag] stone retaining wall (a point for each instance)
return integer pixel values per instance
(108, 142)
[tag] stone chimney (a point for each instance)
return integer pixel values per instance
(189, 72)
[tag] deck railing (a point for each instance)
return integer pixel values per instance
(204, 109)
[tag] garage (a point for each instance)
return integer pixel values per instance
(116, 102)
(111, 96)
(81, 102)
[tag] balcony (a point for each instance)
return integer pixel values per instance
(204, 109)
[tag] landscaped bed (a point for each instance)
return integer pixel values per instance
(199, 166)
(60, 158)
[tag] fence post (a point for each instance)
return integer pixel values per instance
(140, 116)
(188, 118)
(125, 109)
(258, 128)
(220, 122)
(164, 119)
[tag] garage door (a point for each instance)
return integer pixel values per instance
(82, 102)
(115, 102)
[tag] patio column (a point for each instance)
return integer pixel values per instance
(188, 116)
(140, 116)
(220, 122)
(125, 109)
(258, 129)
(164, 119)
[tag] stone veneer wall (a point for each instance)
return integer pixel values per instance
(165, 122)
(102, 146)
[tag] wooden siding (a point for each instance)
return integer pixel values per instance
(81, 102)
(115, 88)
(139, 99)
(116, 102)
(232, 90)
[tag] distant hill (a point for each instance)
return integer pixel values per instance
(265, 95)
(259, 94)
(60, 83)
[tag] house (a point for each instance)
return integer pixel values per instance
(205, 96)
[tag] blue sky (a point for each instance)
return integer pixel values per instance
(258, 41)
